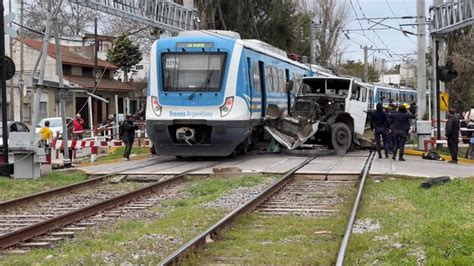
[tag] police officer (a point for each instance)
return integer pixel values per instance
(452, 134)
(379, 124)
(392, 109)
(400, 126)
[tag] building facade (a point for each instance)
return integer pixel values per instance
(78, 72)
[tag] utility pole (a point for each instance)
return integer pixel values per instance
(59, 66)
(366, 65)
(366, 60)
(382, 70)
(312, 45)
(438, 58)
(21, 80)
(96, 49)
(10, 46)
(5, 166)
(421, 59)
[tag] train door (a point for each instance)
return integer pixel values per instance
(251, 66)
(371, 99)
(263, 93)
(357, 107)
(288, 93)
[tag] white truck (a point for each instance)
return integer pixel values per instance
(326, 110)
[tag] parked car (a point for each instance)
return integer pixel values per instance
(55, 124)
(13, 126)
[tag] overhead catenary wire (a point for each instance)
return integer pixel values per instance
(360, 24)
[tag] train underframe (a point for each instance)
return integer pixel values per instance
(200, 137)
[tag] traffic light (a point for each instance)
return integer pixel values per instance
(447, 73)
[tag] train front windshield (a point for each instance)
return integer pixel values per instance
(193, 72)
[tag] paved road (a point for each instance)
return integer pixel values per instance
(416, 166)
(348, 165)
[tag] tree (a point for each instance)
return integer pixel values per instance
(356, 69)
(73, 19)
(124, 54)
(330, 17)
(461, 89)
(278, 22)
(142, 35)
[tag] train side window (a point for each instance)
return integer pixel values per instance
(256, 76)
(276, 79)
(249, 75)
(268, 78)
(363, 94)
(355, 92)
(371, 99)
(282, 80)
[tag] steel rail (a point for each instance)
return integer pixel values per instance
(350, 224)
(229, 218)
(68, 188)
(29, 232)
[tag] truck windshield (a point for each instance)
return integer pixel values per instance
(328, 86)
(193, 72)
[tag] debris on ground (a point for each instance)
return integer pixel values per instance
(435, 181)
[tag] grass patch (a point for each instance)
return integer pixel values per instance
(281, 240)
(118, 153)
(13, 188)
(433, 226)
(257, 239)
(140, 242)
(144, 242)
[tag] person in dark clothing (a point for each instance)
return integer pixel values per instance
(413, 108)
(392, 109)
(128, 136)
(452, 134)
(380, 125)
(400, 126)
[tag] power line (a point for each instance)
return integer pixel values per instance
(393, 13)
(360, 24)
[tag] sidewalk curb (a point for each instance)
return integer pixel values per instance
(446, 157)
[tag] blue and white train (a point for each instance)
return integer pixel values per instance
(209, 90)
(387, 95)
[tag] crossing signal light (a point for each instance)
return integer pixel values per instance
(447, 73)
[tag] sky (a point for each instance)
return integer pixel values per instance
(393, 40)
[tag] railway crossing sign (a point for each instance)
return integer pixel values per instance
(444, 101)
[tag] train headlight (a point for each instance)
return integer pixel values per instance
(225, 109)
(156, 107)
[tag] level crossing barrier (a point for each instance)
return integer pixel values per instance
(101, 137)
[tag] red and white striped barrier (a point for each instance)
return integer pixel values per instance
(81, 144)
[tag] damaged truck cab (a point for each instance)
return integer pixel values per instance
(331, 111)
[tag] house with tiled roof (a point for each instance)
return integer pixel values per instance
(78, 69)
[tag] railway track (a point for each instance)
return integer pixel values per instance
(14, 203)
(290, 195)
(23, 224)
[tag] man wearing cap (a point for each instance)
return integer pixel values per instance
(128, 136)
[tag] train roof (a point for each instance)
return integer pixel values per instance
(252, 44)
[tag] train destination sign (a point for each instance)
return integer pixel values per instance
(194, 45)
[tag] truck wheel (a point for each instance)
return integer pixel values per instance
(341, 138)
